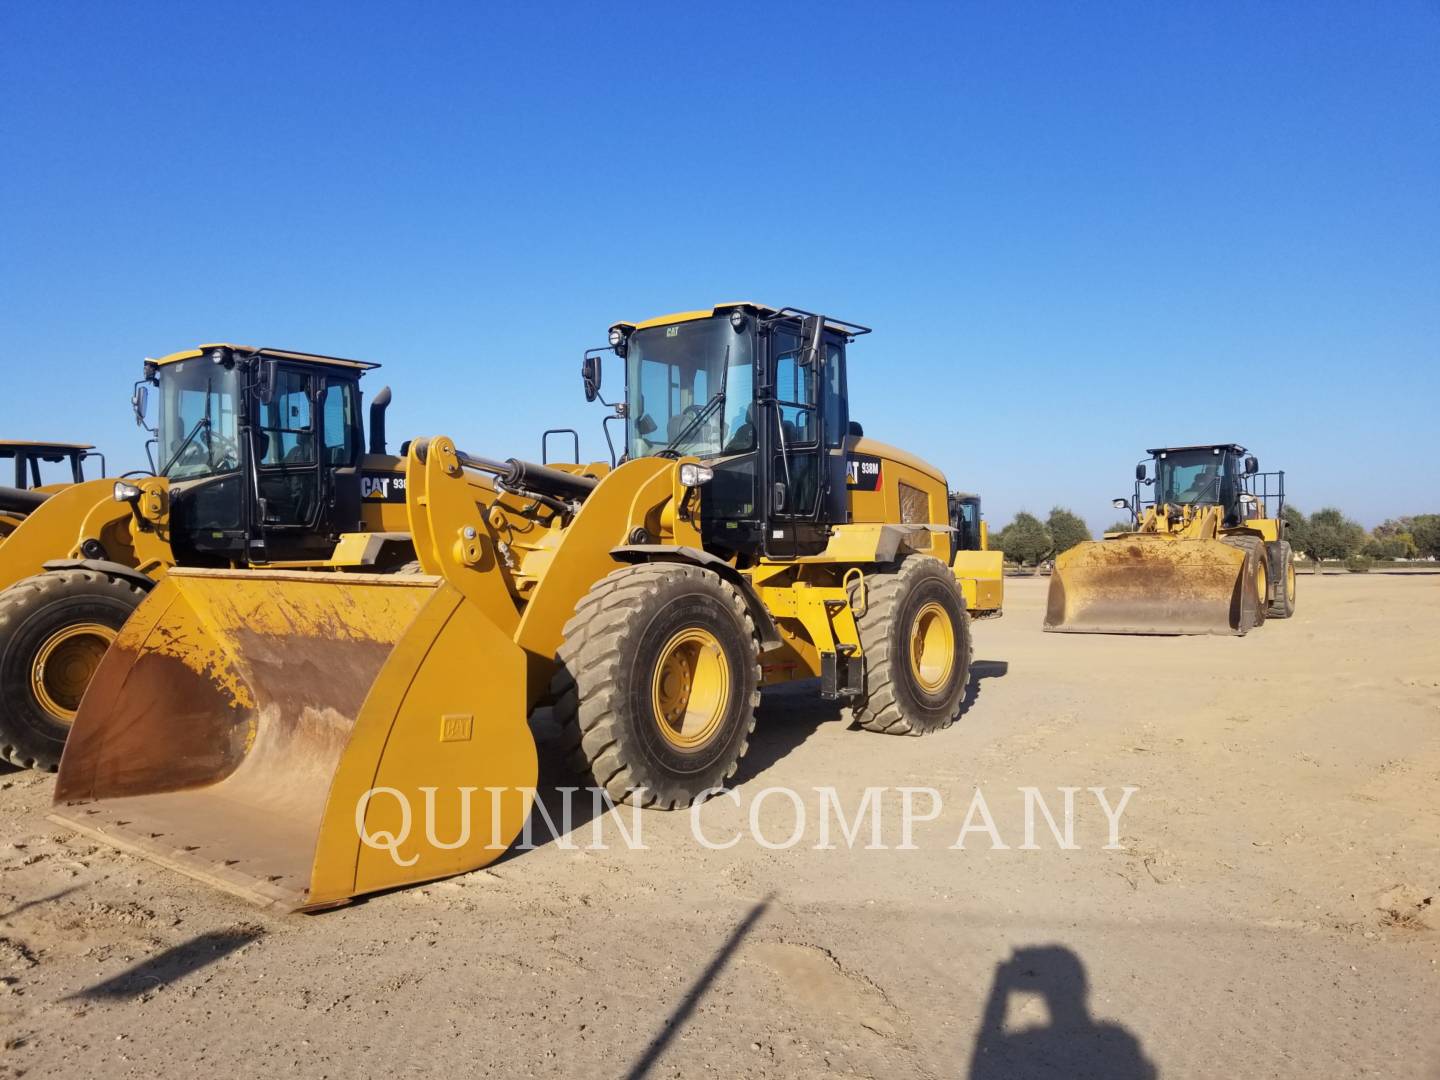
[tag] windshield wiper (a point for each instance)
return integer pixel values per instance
(699, 418)
(204, 422)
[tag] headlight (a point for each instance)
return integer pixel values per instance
(1120, 504)
(125, 492)
(692, 475)
(617, 335)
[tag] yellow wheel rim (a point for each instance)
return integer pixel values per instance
(1290, 581)
(932, 647)
(690, 690)
(64, 666)
(1262, 582)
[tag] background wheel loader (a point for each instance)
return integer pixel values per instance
(1208, 553)
(30, 471)
(262, 463)
(980, 570)
(301, 738)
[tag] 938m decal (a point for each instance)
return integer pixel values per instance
(863, 473)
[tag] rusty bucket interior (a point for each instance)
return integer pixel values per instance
(1139, 584)
(243, 722)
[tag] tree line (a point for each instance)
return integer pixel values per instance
(1329, 535)
(1324, 536)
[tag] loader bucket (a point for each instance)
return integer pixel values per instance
(298, 738)
(1147, 584)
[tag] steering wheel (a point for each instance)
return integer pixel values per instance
(224, 453)
(689, 414)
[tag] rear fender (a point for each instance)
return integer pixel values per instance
(982, 579)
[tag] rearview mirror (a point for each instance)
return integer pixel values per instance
(1140, 471)
(140, 402)
(812, 331)
(1252, 465)
(265, 386)
(590, 372)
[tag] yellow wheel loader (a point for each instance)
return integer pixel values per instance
(36, 470)
(980, 570)
(301, 738)
(262, 463)
(1207, 555)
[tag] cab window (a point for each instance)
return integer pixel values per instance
(286, 423)
(794, 391)
(339, 408)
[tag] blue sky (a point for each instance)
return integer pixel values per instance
(1079, 230)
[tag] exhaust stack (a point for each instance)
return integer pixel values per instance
(378, 405)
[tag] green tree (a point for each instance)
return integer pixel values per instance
(1025, 540)
(1425, 529)
(1294, 527)
(1329, 534)
(1391, 527)
(1394, 546)
(1121, 526)
(1066, 530)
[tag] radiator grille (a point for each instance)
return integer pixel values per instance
(914, 505)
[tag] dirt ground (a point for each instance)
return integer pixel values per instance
(1268, 911)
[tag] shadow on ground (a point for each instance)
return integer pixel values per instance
(681, 1013)
(171, 965)
(788, 715)
(39, 901)
(1071, 1044)
(981, 670)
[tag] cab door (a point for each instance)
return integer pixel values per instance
(287, 465)
(806, 436)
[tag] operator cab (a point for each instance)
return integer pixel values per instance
(965, 520)
(1213, 475)
(261, 448)
(758, 395)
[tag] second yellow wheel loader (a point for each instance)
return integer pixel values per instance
(301, 738)
(980, 570)
(1207, 555)
(262, 463)
(28, 475)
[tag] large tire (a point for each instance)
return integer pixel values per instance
(1252, 593)
(910, 692)
(54, 628)
(1282, 580)
(658, 682)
